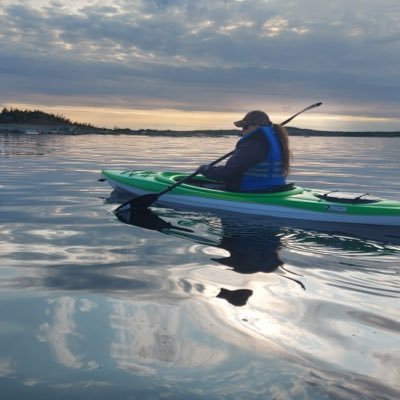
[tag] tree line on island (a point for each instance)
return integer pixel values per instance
(37, 117)
(14, 116)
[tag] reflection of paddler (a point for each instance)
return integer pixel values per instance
(249, 255)
(249, 252)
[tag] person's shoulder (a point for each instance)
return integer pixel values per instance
(258, 135)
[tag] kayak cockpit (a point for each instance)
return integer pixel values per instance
(204, 184)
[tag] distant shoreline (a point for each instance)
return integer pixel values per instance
(20, 128)
(15, 121)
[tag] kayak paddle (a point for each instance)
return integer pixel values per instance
(146, 200)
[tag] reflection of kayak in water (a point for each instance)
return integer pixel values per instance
(252, 245)
(249, 251)
(216, 226)
(245, 253)
(292, 203)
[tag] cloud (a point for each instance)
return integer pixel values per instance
(208, 55)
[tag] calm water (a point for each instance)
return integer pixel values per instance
(211, 307)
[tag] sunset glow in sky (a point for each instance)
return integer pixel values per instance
(183, 64)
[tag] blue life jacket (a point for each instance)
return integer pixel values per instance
(269, 172)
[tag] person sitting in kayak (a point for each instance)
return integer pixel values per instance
(261, 158)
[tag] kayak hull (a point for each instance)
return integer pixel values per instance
(296, 203)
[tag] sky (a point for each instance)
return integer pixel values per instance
(188, 64)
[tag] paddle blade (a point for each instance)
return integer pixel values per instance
(139, 202)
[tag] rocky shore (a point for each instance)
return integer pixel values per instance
(71, 129)
(36, 129)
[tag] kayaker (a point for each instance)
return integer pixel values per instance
(261, 158)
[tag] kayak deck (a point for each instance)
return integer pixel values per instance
(297, 202)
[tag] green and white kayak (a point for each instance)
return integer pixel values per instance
(293, 203)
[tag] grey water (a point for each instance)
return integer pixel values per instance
(208, 307)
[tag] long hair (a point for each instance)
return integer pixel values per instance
(283, 138)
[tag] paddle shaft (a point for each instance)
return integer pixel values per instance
(146, 200)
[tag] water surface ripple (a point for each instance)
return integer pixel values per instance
(216, 306)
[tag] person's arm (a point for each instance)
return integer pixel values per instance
(248, 153)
